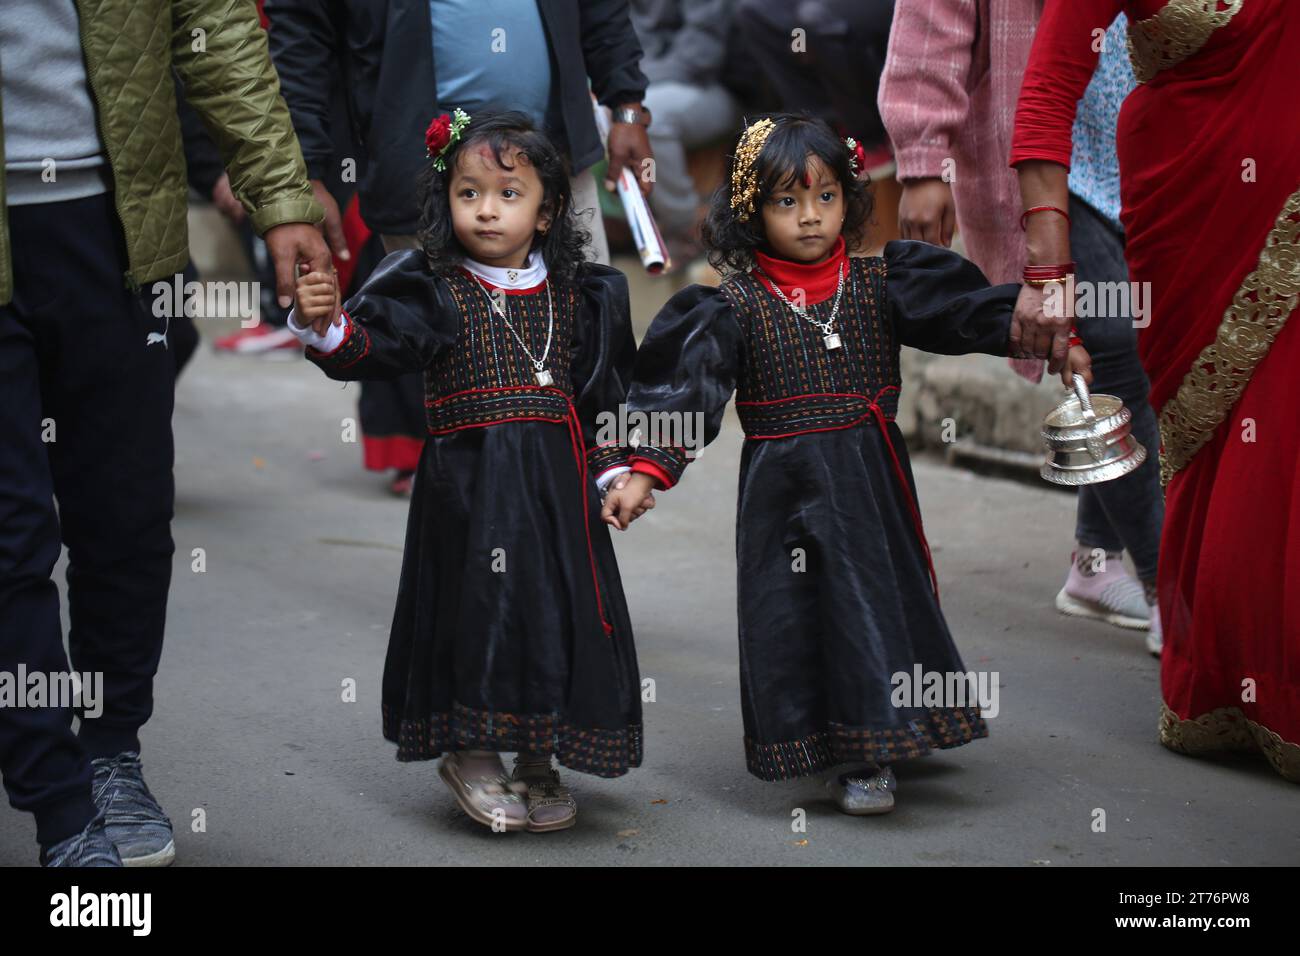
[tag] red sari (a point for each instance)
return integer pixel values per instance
(1209, 150)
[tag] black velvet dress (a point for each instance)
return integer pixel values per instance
(834, 580)
(511, 631)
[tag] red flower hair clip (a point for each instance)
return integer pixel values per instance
(857, 156)
(441, 134)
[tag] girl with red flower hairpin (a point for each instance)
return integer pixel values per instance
(511, 632)
(840, 625)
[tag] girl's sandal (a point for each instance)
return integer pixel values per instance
(480, 797)
(864, 793)
(546, 795)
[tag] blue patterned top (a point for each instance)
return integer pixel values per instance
(1094, 165)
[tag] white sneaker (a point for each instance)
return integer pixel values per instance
(1155, 636)
(1111, 595)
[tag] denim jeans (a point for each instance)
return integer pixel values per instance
(1126, 513)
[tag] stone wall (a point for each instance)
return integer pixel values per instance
(989, 403)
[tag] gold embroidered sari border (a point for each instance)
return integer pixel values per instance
(1220, 373)
(1177, 32)
(1228, 730)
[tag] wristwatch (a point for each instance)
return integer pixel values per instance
(625, 114)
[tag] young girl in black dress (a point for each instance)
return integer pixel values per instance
(511, 632)
(837, 591)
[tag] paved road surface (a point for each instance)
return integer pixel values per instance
(302, 554)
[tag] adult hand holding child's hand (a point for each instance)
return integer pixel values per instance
(1038, 331)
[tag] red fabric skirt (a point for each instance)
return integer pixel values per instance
(1209, 155)
(392, 451)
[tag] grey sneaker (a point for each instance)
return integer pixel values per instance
(864, 792)
(135, 822)
(90, 847)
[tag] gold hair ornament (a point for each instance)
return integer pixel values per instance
(744, 178)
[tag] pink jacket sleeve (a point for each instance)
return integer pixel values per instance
(1061, 63)
(923, 98)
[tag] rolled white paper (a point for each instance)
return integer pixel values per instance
(645, 232)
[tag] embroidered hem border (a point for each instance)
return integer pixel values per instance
(602, 753)
(1227, 729)
(1220, 373)
(940, 729)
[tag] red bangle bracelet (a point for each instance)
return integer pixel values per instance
(1049, 272)
(1033, 209)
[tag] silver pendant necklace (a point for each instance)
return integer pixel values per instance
(541, 374)
(830, 338)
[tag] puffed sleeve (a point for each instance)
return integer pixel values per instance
(940, 302)
(603, 353)
(687, 365)
(396, 323)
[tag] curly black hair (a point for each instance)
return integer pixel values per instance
(563, 245)
(794, 139)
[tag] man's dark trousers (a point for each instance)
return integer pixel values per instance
(86, 385)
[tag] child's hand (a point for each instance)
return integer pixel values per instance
(318, 300)
(1077, 362)
(628, 498)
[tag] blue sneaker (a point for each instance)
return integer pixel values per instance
(90, 847)
(135, 822)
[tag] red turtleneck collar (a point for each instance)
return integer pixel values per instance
(818, 280)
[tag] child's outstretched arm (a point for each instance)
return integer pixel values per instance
(940, 302)
(685, 373)
(399, 320)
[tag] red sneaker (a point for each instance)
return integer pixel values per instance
(260, 338)
(401, 483)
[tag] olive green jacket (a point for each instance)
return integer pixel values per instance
(219, 50)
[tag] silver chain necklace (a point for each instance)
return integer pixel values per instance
(830, 338)
(540, 373)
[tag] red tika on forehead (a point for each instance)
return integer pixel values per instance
(511, 156)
